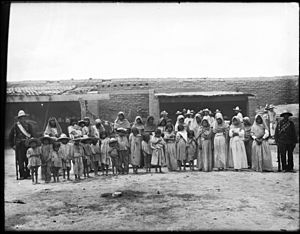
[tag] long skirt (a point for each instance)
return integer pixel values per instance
(158, 157)
(220, 151)
(181, 150)
(199, 156)
(261, 156)
(237, 153)
(171, 156)
(206, 154)
(78, 166)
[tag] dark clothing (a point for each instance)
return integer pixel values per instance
(248, 147)
(124, 161)
(289, 148)
(17, 139)
(286, 139)
(287, 136)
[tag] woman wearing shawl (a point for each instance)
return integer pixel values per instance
(196, 127)
(181, 143)
(180, 121)
(237, 157)
(138, 123)
(53, 128)
(121, 122)
(220, 129)
(248, 139)
(169, 138)
(162, 125)
(261, 154)
(206, 144)
(150, 126)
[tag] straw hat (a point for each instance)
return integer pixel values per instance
(46, 137)
(98, 121)
(178, 112)
(122, 130)
(237, 108)
(63, 136)
(188, 112)
(85, 138)
(163, 113)
(36, 140)
(81, 121)
(286, 112)
(21, 113)
(112, 140)
(206, 109)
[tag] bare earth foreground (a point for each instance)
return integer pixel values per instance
(170, 201)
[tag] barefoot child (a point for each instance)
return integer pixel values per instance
(113, 152)
(56, 161)
(104, 147)
(124, 149)
(135, 143)
(147, 152)
(191, 149)
(157, 144)
(77, 155)
(65, 153)
(86, 144)
(34, 158)
(181, 141)
(169, 137)
(96, 154)
(46, 158)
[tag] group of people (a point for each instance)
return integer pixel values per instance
(203, 137)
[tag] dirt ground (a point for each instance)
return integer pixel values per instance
(187, 200)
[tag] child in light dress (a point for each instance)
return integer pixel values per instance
(147, 151)
(34, 154)
(157, 144)
(104, 147)
(191, 149)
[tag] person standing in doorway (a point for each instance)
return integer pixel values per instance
(18, 136)
(286, 139)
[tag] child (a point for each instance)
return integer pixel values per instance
(114, 155)
(56, 161)
(46, 158)
(65, 153)
(96, 154)
(248, 140)
(157, 144)
(169, 137)
(86, 144)
(124, 150)
(34, 154)
(77, 154)
(237, 151)
(206, 143)
(135, 143)
(147, 152)
(105, 158)
(191, 149)
(181, 140)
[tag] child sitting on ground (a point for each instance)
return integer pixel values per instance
(34, 159)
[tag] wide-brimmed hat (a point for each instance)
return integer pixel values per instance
(188, 112)
(62, 137)
(286, 112)
(81, 121)
(77, 139)
(33, 139)
(97, 121)
(46, 137)
(237, 108)
(178, 113)
(85, 138)
(124, 130)
(206, 109)
(269, 107)
(21, 113)
(112, 140)
(163, 113)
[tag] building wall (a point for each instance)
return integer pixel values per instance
(275, 90)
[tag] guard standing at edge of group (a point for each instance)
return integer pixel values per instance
(18, 136)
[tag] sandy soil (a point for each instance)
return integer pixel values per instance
(170, 201)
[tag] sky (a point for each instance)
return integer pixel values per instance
(55, 41)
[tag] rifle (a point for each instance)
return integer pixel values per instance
(16, 158)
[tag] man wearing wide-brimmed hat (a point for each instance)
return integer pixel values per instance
(18, 137)
(286, 139)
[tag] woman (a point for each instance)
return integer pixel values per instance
(237, 152)
(220, 129)
(206, 143)
(138, 123)
(162, 125)
(53, 128)
(196, 127)
(121, 122)
(248, 139)
(180, 121)
(261, 153)
(150, 126)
